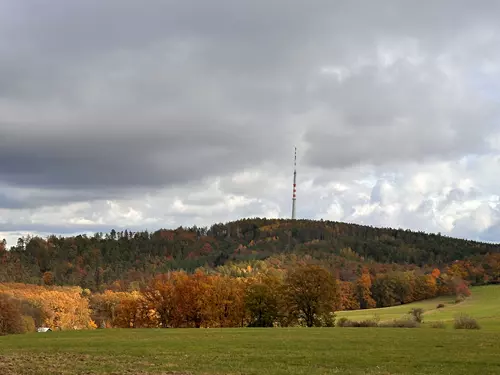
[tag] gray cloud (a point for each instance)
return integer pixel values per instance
(116, 94)
(10, 203)
(403, 116)
(16, 198)
(118, 100)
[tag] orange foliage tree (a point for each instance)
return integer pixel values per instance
(348, 296)
(364, 284)
(11, 320)
(161, 296)
(192, 296)
(133, 312)
(226, 302)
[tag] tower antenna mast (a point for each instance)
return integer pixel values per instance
(294, 196)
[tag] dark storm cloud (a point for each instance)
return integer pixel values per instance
(169, 155)
(128, 94)
(12, 198)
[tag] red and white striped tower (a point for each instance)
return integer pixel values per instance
(294, 197)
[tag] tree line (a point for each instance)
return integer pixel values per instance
(300, 294)
(96, 262)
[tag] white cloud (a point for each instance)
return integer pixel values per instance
(444, 197)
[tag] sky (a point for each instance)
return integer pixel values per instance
(146, 115)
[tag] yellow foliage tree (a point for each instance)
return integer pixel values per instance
(62, 307)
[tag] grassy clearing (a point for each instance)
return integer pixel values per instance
(484, 305)
(297, 351)
(253, 351)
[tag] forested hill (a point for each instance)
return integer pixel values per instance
(97, 261)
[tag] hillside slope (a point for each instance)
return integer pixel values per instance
(103, 258)
(483, 305)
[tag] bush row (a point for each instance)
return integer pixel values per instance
(412, 320)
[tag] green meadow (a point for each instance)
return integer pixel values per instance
(483, 305)
(283, 351)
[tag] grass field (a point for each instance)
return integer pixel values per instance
(271, 351)
(484, 305)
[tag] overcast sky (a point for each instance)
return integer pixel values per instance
(149, 114)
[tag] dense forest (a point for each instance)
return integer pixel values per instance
(253, 272)
(128, 258)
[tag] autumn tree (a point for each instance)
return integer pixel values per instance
(11, 320)
(226, 303)
(193, 291)
(161, 295)
(66, 309)
(104, 307)
(425, 287)
(364, 284)
(264, 301)
(134, 312)
(56, 307)
(311, 293)
(459, 287)
(383, 290)
(348, 296)
(404, 286)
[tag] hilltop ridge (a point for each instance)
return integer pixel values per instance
(106, 257)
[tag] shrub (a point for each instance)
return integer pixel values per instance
(465, 322)
(327, 320)
(405, 322)
(321, 320)
(440, 306)
(364, 323)
(344, 322)
(367, 323)
(417, 314)
(438, 325)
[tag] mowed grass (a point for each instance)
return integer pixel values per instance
(483, 305)
(253, 351)
(271, 351)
